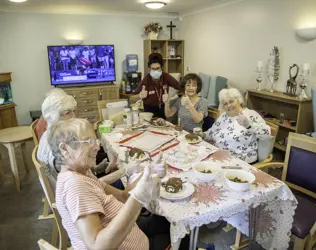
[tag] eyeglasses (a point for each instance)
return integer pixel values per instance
(156, 69)
(92, 141)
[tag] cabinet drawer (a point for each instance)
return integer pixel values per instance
(83, 93)
(87, 112)
(85, 102)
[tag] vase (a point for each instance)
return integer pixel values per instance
(152, 36)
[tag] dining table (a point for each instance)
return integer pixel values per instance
(264, 212)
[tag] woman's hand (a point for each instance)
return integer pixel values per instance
(147, 189)
(186, 102)
(165, 96)
(159, 166)
(143, 94)
(243, 121)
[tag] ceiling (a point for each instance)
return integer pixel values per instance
(103, 6)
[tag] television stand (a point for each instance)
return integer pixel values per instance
(87, 98)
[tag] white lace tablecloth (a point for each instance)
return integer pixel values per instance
(215, 201)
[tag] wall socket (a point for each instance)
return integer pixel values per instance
(188, 68)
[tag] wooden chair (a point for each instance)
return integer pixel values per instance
(102, 105)
(299, 171)
(46, 214)
(33, 130)
(58, 229)
(44, 245)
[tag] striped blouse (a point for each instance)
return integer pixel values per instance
(79, 195)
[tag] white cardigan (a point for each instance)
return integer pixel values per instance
(239, 141)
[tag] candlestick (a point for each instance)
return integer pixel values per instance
(259, 66)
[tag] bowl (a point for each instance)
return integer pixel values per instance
(206, 165)
(145, 116)
(242, 175)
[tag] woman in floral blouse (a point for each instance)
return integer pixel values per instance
(238, 129)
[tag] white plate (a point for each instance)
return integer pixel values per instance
(187, 190)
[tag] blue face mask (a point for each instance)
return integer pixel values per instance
(155, 74)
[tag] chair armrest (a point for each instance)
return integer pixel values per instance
(96, 124)
(260, 165)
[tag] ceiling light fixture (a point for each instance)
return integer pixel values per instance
(155, 5)
(18, 1)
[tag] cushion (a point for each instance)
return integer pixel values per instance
(304, 217)
(265, 148)
(301, 169)
(314, 106)
(205, 84)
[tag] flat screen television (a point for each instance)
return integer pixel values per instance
(81, 64)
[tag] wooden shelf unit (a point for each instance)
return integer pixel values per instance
(171, 65)
(293, 108)
(7, 111)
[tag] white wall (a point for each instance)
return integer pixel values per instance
(228, 41)
(24, 38)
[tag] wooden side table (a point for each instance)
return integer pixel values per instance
(10, 138)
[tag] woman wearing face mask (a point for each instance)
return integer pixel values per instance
(191, 108)
(154, 85)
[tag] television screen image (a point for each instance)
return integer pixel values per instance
(81, 64)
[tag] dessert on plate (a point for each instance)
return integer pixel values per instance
(173, 185)
(140, 153)
(192, 137)
(158, 122)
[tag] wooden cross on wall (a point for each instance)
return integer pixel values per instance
(171, 26)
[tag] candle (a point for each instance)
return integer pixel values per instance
(259, 65)
(305, 66)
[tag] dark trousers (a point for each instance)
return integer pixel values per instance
(158, 112)
(157, 229)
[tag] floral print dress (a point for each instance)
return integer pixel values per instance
(239, 141)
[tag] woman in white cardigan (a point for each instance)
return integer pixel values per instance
(238, 129)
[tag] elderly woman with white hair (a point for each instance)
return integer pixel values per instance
(97, 215)
(60, 106)
(238, 128)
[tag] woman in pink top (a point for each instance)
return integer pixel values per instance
(97, 215)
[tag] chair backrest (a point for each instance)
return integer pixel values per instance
(314, 106)
(102, 105)
(33, 130)
(299, 166)
(63, 237)
(44, 245)
(265, 147)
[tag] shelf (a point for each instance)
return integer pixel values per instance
(275, 121)
(280, 147)
(173, 59)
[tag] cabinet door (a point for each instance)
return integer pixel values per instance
(8, 118)
(109, 93)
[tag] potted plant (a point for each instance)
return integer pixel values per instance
(152, 30)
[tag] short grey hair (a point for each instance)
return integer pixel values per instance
(66, 131)
(231, 93)
(55, 103)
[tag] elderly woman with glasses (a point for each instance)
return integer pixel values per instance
(238, 129)
(96, 215)
(191, 108)
(154, 85)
